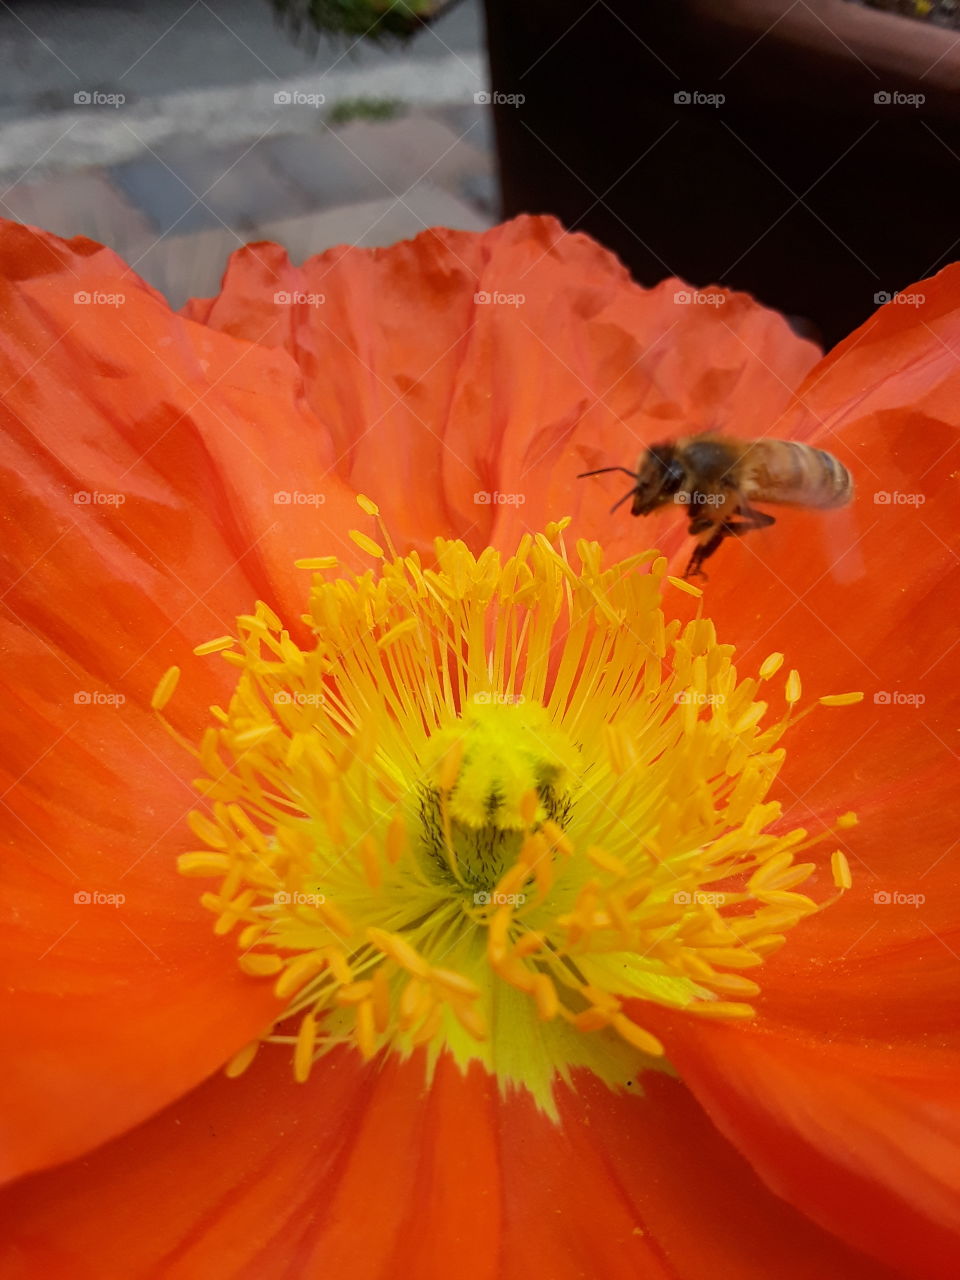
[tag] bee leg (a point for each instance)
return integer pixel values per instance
(700, 524)
(749, 519)
(703, 550)
(693, 569)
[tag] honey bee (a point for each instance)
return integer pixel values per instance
(718, 478)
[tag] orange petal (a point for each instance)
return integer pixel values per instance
(113, 1008)
(492, 407)
(862, 1140)
(865, 599)
(116, 997)
(260, 1176)
(138, 440)
(843, 1094)
(659, 1167)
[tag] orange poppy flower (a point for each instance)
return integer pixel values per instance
(509, 853)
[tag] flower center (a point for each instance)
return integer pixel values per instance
(491, 806)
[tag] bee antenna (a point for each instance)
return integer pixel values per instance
(603, 470)
(628, 494)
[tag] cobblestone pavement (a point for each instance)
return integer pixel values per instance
(175, 202)
(176, 214)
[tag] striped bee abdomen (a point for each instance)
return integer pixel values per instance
(797, 474)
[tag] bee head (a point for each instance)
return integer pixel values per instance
(660, 475)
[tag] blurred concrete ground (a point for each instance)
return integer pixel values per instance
(175, 132)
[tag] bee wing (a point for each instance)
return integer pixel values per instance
(841, 534)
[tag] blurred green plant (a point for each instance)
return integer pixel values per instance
(348, 109)
(375, 19)
(944, 13)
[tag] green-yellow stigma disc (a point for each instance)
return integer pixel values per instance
(490, 808)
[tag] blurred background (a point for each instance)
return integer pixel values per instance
(177, 130)
(807, 152)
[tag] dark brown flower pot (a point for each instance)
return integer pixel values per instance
(804, 186)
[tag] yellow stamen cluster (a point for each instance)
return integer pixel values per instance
(492, 804)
